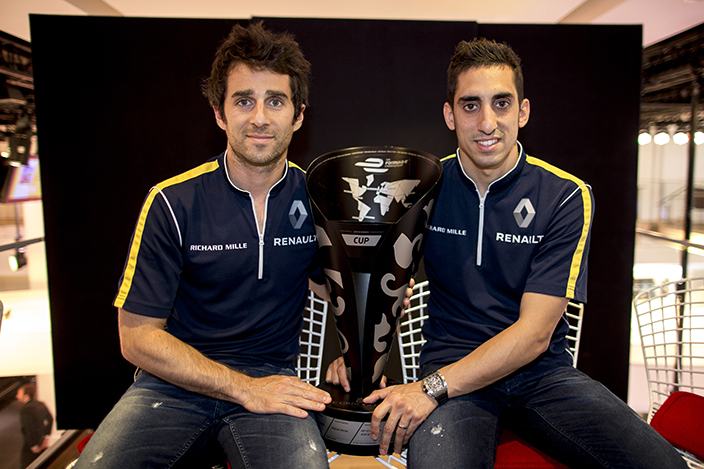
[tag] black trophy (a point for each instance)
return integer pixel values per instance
(371, 207)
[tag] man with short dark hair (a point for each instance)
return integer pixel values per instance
(36, 422)
(210, 304)
(507, 248)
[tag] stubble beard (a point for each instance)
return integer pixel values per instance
(259, 158)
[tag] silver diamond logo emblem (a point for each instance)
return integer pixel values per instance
(298, 214)
(524, 213)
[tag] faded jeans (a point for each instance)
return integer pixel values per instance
(553, 406)
(158, 425)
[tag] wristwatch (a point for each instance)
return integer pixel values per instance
(435, 386)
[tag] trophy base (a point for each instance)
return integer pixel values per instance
(346, 422)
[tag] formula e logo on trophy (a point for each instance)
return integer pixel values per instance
(372, 165)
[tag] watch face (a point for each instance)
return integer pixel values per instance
(434, 384)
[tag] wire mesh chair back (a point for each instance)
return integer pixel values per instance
(410, 337)
(312, 339)
(671, 325)
(574, 313)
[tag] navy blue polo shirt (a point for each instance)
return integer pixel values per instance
(197, 258)
(529, 233)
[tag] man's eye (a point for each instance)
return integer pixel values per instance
(276, 102)
(244, 102)
(470, 107)
(503, 104)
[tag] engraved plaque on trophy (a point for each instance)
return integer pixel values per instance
(371, 207)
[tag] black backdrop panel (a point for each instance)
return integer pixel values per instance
(584, 86)
(119, 109)
(375, 83)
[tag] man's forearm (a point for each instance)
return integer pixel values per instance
(147, 345)
(492, 361)
(182, 365)
(508, 351)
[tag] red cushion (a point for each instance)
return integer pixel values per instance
(82, 444)
(680, 420)
(516, 453)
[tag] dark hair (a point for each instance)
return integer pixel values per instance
(29, 390)
(481, 52)
(259, 49)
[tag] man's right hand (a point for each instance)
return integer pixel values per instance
(283, 395)
(337, 374)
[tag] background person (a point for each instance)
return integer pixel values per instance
(36, 422)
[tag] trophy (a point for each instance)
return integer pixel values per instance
(371, 207)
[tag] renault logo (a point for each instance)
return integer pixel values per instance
(524, 213)
(298, 214)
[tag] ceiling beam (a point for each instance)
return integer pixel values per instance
(95, 7)
(589, 11)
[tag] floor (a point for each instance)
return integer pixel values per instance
(10, 437)
(359, 462)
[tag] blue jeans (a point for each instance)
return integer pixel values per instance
(158, 425)
(553, 406)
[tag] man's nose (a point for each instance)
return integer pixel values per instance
(260, 118)
(487, 122)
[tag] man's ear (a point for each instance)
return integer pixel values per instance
(524, 113)
(449, 116)
(298, 122)
(222, 123)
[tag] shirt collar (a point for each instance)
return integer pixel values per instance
(504, 180)
(273, 188)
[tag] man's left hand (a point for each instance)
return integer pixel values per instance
(407, 407)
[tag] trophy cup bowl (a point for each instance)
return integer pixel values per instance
(371, 207)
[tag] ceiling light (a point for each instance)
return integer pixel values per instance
(644, 138)
(680, 138)
(698, 138)
(18, 260)
(661, 138)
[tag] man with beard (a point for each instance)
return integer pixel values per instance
(209, 303)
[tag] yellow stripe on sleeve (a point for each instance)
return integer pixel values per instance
(141, 221)
(578, 255)
(579, 252)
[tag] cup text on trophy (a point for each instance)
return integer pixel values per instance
(361, 239)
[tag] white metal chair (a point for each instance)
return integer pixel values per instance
(310, 360)
(410, 341)
(671, 325)
(410, 337)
